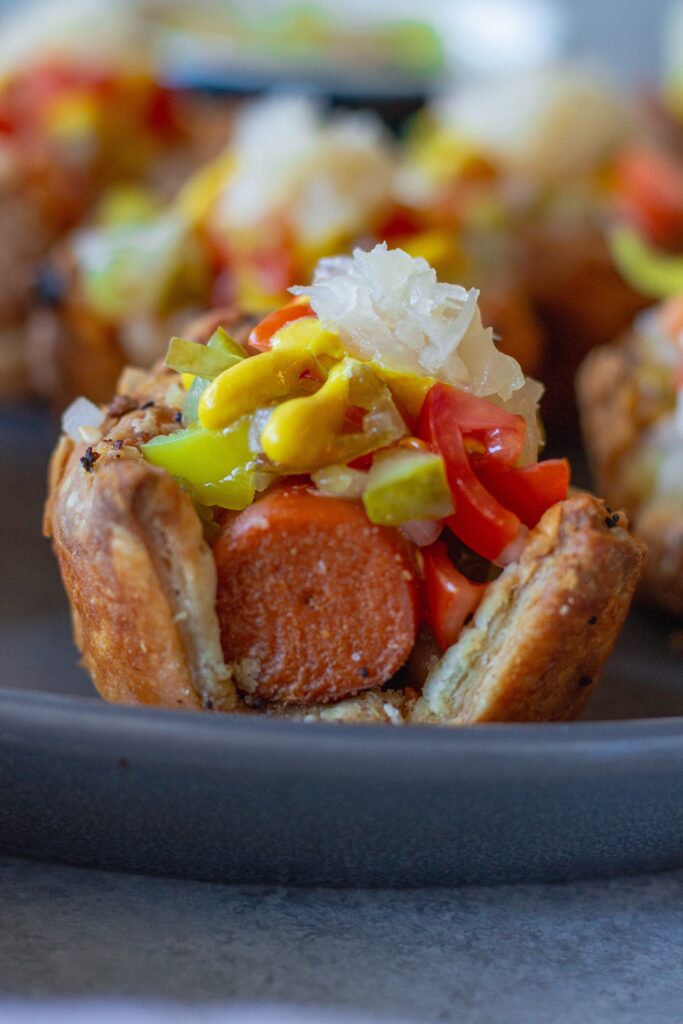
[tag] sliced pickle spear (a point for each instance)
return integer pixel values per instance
(404, 485)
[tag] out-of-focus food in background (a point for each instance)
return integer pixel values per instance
(646, 236)
(82, 114)
(523, 171)
(244, 229)
(238, 43)
(240, 232)
(631, 399)
(357, 47)
(105, 110)
(520, 164)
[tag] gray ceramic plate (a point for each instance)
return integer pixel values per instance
(210, 797)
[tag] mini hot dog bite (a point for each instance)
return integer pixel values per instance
(337, 513)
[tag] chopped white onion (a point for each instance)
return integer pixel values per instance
(258, 424)
(340, 481)
(262, 480)
(422, 532)
(81, 413)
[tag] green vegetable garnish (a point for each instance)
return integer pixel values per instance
(221, 341)
(226, 349)
(205, 361)
(212, 463)
(404, 485)
(646, 268)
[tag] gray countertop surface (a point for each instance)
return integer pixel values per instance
(594, 951)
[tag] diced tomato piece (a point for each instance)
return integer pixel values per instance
(450, 597)
(261, 334)
(530, 491)
(500, 434)
(649, 191)
(479, 520)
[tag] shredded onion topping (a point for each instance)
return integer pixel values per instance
(390, 307)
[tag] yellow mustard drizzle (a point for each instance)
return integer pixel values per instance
(302, 432)
(305, 432)
(297, 348)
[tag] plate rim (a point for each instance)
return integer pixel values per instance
(54, 717)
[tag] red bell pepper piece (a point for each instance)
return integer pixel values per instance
(500, 433)
(450, 597)
(479, 520)
(528, 492)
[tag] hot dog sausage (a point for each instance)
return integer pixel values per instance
(314, 602)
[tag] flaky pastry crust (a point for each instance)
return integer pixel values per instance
(540, 638)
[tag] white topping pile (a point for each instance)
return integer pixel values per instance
(560, 119)
(390, 307)
(325, 175)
